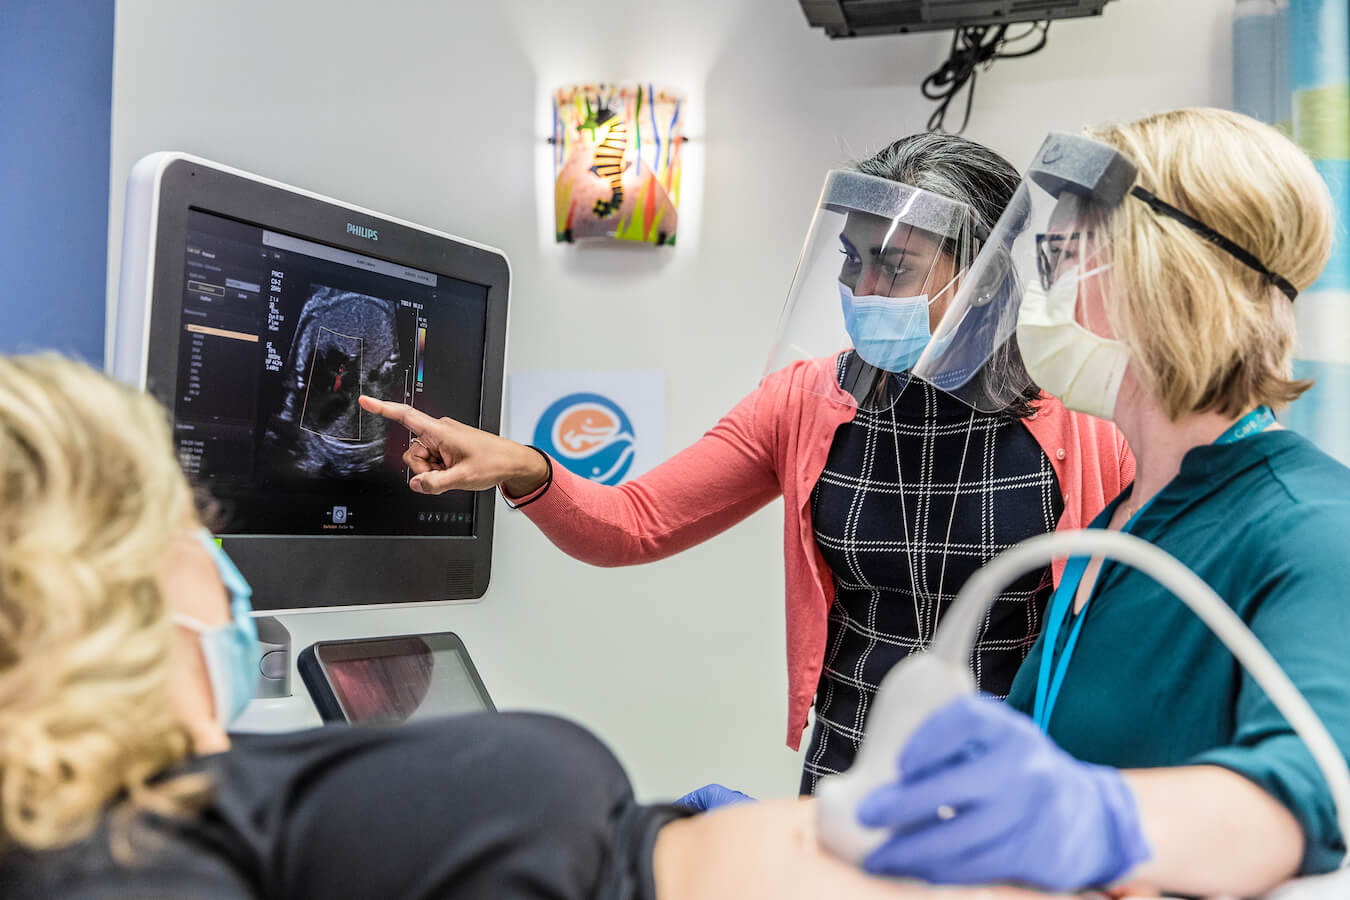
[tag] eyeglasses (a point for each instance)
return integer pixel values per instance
(1053, 250)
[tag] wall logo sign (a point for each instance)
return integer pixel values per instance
(590, 434)
(605, 426)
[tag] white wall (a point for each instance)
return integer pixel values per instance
(436, 112)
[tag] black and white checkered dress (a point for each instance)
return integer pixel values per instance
(900, 552)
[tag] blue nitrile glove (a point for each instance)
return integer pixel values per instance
(711, 796)
(984, 796)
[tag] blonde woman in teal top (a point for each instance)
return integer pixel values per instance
(1154, 271)
(1265, 521)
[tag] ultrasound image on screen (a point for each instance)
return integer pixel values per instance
(280, 337)
(346, 344)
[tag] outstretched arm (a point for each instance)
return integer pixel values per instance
(721, 479)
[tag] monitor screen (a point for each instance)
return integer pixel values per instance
(258, 313)
(280, 335)
(393, 680)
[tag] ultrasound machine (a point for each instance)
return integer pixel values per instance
(258, 313)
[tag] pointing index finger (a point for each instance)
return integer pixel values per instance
(415, 420)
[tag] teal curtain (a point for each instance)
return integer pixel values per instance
(1291, 67)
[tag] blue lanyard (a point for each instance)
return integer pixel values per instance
(1257, 420)
(1050, 678)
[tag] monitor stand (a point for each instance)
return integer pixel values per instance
(275, 666)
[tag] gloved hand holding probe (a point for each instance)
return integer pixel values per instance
(984, 796)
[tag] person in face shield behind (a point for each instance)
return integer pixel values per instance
(894, 492)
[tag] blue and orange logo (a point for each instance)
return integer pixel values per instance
(590, 435)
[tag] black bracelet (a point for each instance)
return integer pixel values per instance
(542, 489)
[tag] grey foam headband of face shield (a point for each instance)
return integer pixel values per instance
(847, 191)
(1071, 162)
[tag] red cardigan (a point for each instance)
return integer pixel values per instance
(776, 442)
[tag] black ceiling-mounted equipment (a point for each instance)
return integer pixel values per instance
(859, 18)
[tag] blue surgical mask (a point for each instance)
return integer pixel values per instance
(231, 651)
(888, 332)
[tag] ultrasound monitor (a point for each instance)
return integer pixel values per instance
(258, 313)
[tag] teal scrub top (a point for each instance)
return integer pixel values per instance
(1265, 522)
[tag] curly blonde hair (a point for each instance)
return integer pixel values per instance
(90, 497)
(1205, 331)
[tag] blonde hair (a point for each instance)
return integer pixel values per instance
(90, 497)
(1206, 332)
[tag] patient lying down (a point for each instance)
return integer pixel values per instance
(119, 779)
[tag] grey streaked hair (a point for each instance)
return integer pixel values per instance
(951, 166)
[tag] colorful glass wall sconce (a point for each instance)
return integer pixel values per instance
(617, 158)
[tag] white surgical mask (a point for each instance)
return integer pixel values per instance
(1084, 370)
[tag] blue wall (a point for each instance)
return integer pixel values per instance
(55, 139)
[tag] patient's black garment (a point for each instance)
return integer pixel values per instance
(491, 805)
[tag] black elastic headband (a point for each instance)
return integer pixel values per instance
(1162, 207)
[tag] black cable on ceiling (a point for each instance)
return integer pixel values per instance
(973, 47)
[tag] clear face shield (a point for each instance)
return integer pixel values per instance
(1037, 284)
(881, 260)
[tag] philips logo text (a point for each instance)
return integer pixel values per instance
(369, 234)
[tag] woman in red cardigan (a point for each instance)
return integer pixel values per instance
(894, 492)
